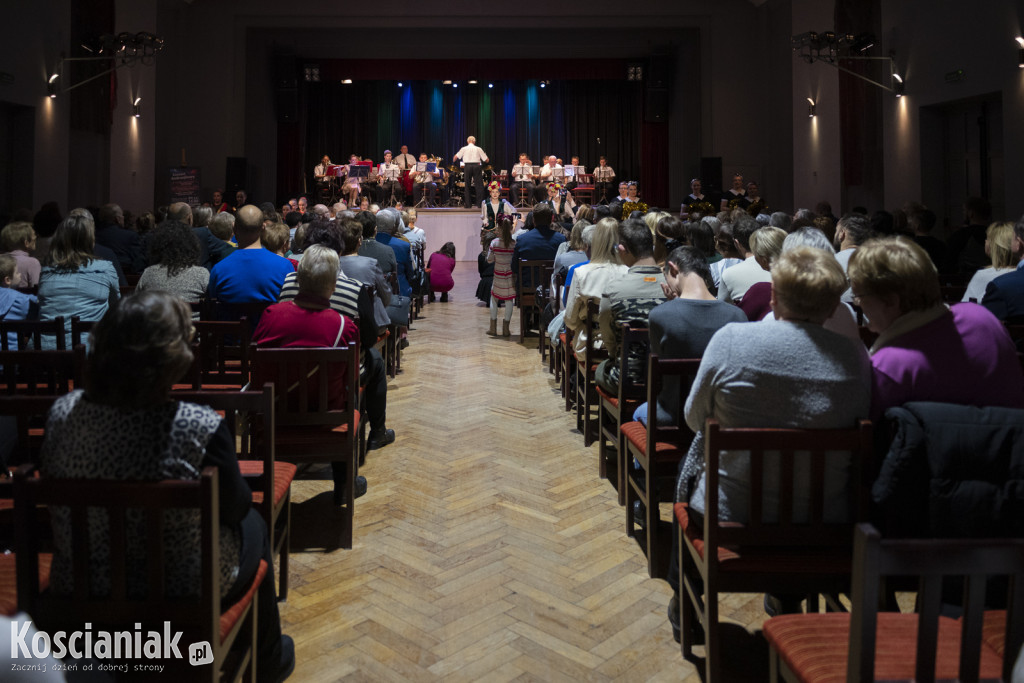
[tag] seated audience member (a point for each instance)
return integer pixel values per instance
(921, 222)
(19, 239)
(736, 280)
(925, 350)
(790, 373)
(1004, 296)
(348, 301)
(14, 305)
(45, 223)
(539, 244)
(276, 239)
(101, 252)
(575, 251)
(965, 248)
(126, 425)
(843, 321)
(345, 237)
(725, 245)
(111, 233)
(629, 298)
(382, 253)
(174, 251)
(682, 326)
(75, 282)
(765, 243)
(222, 227)
(441, 265)
(590, 279)
(251, 273)
(309, 321)
(1000, 247)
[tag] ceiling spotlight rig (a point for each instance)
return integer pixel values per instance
(123, 49)
(833, 48)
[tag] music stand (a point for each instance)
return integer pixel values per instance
(602, 175)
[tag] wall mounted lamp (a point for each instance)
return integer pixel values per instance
(136, 111)
(1020, 51)
(810, 108)
(897, 84)
(51, 85)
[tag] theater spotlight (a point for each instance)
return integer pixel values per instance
(810, 108)
(897, 85)
(399, 84)
(490, 85)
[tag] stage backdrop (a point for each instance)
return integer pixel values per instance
(590, 115)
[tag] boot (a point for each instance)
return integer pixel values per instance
(493, 329)
(504, 329)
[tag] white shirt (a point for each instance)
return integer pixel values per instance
(603, 169)
(547, 172)
(471, 154)
(319, 170)
(523, 172)
(405, 161)
(737, 280)
(388, 171)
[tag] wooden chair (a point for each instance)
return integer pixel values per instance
(658, 448)
(231, 633)
(586, 387)
(222, 353)
(532, 274)
(47, 373)
(392, 344)
(611, 409)
(80, 329)
(568, 359)
(782, 555)
(308, 428)
(29, 415)
(221, 310)
(554, 366)
(250, 416)
(584, 192)
(29, 333)
(866, 645)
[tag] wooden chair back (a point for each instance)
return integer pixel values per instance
(532, 275)
(80, 329)
(222, 353)
(29, 414)
(682, 371)
(586, 387)
(971, 560)
(198, 617)
(221, 310)
(48, 373)
(29, 333)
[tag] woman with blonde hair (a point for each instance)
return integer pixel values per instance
(766, 243)
(927, 351)
(589, 279)
(999, 248)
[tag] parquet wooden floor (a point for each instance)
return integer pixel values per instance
(487, 547)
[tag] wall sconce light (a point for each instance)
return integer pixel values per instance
(51, 85)
(136, 111)
(897, 85)
(1020, 51)
(810, 108)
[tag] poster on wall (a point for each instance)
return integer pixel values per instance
(185, 185)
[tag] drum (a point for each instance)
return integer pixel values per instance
(460, 179)
(406, 182)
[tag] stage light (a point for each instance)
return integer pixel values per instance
(446, 82)
(897, 85)
(810, 108)
(136, 112)
(1020, 51)
(346, 81)
(399, 84)
(490, 85)
(542, 84)
(51, 86)
(455, 85)
(471, 82)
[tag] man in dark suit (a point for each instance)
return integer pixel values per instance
(111, 233)
(539, 244)
(384, 255)
(1004, 296)
(211, 249)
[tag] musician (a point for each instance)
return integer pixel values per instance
(604, 180)
(404, 160)
(425, 182)
(472, 156)
(547, 171)
(320, 170)
(522, 177)
(571, 183)
(561, 202)
(352, 185)
(734, 192)
(389, 173)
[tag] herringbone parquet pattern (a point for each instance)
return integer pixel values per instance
(487, 548)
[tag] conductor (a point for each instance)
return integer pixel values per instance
(472, 156)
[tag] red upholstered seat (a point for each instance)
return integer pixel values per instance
(307, 435)
(9, 580)
(636, 433)
(231, 615)
(815, 647)
(614, 400)
(993, 631)
(284, 473)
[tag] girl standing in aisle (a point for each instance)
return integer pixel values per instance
(503, 288)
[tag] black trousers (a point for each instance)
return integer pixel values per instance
(474, 174)
(430, 188)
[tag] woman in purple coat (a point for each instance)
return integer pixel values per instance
(441, 265)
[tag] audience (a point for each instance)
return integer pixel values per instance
(19, 239)
(251, 273)
(735, 281)
(590, 279)
(765, 244)
(111, 233)
(925, 350)
(174, 252)
(965, 248)
(1000, 248)
(126, 425)
(14, 305)
(75, 282)
(853, 229)
(1004, 296)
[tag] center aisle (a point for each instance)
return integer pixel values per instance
(487, 548)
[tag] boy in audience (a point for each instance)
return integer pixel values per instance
(14, 305)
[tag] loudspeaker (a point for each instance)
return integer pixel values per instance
(656, 106)
(236, 175)
(711, 174)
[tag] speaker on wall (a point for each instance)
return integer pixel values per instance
(236, 176)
